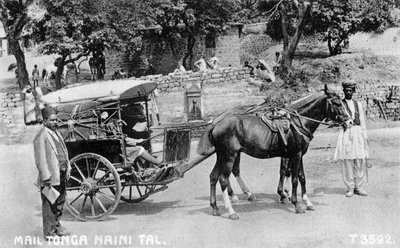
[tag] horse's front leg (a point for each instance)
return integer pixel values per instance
(302, 179)
(282, 190)
(295, 163)
(226, 169)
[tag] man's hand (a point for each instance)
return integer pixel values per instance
(368, 164)
(47, 182)
(347, 124)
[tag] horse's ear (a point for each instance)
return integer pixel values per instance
(327, 90)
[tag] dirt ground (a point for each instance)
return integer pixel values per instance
(181, 216)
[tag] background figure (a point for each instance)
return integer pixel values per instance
(93, 68)
(200, 65)
(101, 66)
(263, 75)
(154, 105)
(51, 157)
(352, 149)
(29, 105)
(180, 67)
(123, 73)
(247, 65)
(214, 63)
(278, 60)
(35, 76)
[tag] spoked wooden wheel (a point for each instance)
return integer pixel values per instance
(88, 195)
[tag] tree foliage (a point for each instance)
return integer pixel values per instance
(16, 15)
(189, 19)
(337, 20)
(73, 29)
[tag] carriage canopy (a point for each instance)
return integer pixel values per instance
(106, 90)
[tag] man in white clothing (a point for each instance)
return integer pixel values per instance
(352, 149)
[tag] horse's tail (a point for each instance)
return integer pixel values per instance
(206, 146)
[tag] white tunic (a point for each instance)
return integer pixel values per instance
(352, 143)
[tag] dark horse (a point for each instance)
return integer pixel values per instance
(230, 136)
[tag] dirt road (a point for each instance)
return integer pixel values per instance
(181, 216)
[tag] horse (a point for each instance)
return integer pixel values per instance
(49, 72)
(230, 136)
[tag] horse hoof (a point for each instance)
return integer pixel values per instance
(234, 216)
(234, 199)
(310, 207)
(216, 213)
(251, 197)
(284, 200)
(300, 210)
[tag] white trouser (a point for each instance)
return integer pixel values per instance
(354, 173)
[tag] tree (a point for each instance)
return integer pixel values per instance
(189, 19)
(337, 20)
(286, 21)
(15, 16)
(73, 29)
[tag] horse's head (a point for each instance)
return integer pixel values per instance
(335, 109)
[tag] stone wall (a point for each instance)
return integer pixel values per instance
(221, 89)
(388, 95)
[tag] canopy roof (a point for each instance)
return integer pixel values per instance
(106, 90)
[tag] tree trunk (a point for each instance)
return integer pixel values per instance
(290, 44)
(59, 72)
(23, 76)
(189, 53)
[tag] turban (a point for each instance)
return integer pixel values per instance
(47, 111)
(349, 85)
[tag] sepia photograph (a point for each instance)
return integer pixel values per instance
(200, 123)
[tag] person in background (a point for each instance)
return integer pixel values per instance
(51, 158)
(352, 149)
(200, 65)
(93, 68)
(214, 63)
(247, 65)
(180, 67)
(35, 76)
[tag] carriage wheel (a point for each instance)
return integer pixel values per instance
(88, 197)
(133, 193)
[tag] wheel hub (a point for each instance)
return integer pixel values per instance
(88, 186)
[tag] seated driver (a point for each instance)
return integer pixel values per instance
(133, 151)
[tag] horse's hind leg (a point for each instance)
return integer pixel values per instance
(242, 184)
(283, 191)
(302, 179)
(233, 198)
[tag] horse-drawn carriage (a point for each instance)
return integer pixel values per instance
(95, 120)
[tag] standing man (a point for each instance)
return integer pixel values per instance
(35, 76)
(352, 149)
(51, 157)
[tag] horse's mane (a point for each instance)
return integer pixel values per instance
(300, 103)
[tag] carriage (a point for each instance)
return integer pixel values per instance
(94, 120)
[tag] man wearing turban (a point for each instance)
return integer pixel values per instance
(352, 150)
(51, 158)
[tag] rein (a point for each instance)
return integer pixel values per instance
(305, 117)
